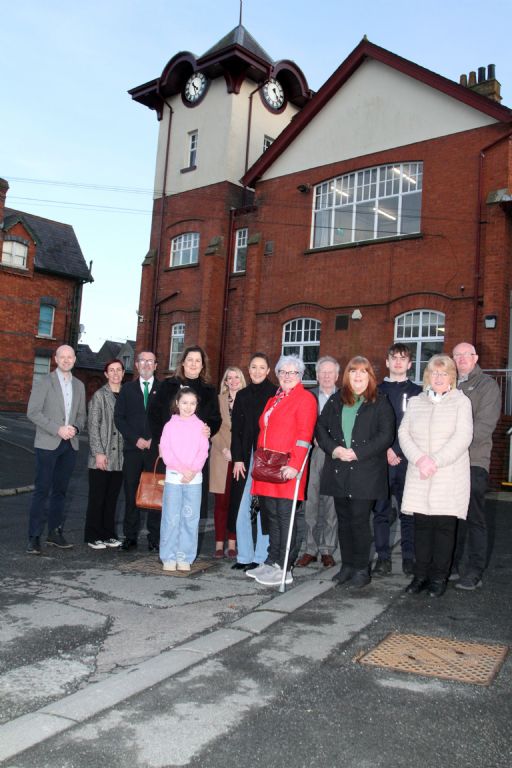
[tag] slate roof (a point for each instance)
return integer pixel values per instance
(239, 36)
(58, 250)
(86, 358)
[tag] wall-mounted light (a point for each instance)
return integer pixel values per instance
(490, 321)
(304, 188)
(356, 315)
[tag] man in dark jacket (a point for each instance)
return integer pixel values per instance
(399, 389)
(131, 417)
(485, 396)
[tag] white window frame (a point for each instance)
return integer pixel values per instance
(42, 309)
(177, 344)
(368, 204)
(301, 336)
(41, 367)
(240, 257)
(193, 142)
(423, 331)
(185, 249)
(14, 254)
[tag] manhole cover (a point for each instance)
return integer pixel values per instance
(438, 657)
(152, 566)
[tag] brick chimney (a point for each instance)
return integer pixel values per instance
(4, 186)
(485, 84)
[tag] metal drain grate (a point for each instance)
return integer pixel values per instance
(152, 567)
(438, 657)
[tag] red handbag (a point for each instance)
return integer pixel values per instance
(267, 465)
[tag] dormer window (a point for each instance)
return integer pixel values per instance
(14, 254)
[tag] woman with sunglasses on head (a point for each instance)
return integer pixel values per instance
(355, 429)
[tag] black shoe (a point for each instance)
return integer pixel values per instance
(437, 587)
(34, 546)
(56, 539)
(344, 574)
(359, 579)
(408, 566)
(416, 586)
(127, 545)
(382, 567)
(470, 582)
(152, 547)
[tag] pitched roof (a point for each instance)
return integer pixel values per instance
(366, 50)
(58, 250)
(239, 36)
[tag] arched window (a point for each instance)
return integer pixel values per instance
(185, 249)
(423, 331)
(177, 344)
(383, 201)
(302, 337)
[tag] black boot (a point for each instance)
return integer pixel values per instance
(344, 574)
(437, 588)
(416, 586)
(360, 579)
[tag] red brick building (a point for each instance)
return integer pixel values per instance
(382, 211)
(42, 273)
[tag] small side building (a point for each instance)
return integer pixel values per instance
(42, 274)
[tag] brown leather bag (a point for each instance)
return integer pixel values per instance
(151, 489)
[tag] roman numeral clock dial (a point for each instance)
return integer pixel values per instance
(273, 94)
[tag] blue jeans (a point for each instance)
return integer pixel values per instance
(180, 522)
(53, 473)
(247, 553)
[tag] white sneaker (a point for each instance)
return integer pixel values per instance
(112, 543)
(183, 566)
(170, 565)
(253, 573)
(96, 545)
(272, 577)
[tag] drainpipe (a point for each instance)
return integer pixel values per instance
(156, 307)
(479, 222)
(225, 303)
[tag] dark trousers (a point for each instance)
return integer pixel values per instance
(278, 514)
(354, 532)
(221, 509)
(100, 518)
(475, 529)
(53, 473)
(136, 462)
(434, 539)
(382, 516)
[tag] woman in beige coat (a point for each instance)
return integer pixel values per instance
(220, 461)
(434, 435)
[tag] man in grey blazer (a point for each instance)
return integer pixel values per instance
(57, 408)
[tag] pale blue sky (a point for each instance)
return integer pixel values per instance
(69, 126)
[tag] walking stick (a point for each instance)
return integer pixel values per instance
(282, 586)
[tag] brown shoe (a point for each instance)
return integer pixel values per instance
(328, 561)
(305, 560)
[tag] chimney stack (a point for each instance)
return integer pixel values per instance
(486, 84)
(4, 186)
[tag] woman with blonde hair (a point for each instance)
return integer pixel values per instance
(221, 463)
(435, 435)
(355, 429)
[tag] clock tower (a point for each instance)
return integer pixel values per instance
(217, 114)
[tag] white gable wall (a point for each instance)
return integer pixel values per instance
(377, 108)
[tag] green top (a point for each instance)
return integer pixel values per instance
(348, 418)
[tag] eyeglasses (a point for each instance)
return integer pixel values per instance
(145, 361)
(284, 374)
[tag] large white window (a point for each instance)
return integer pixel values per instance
(384, 201)
(193, 140)
(185, 249)
(302, 337)
(423, 332)
(177, 344)
(14, 254)
(240, 260)
(41, 367)
(46, 318)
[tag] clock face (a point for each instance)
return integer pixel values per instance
(195, 88)
(273, 94)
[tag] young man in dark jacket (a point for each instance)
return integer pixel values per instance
(399, 389)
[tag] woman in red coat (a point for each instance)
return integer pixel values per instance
(286, 425)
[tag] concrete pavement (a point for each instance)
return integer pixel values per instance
(103, 664)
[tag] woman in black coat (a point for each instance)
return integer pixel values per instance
(355, 429)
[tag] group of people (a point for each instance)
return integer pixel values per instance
(427, 448)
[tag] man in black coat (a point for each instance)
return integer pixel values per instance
(132, 418)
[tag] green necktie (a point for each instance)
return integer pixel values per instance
(146, 394)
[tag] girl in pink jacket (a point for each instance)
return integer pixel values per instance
(184, 449)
